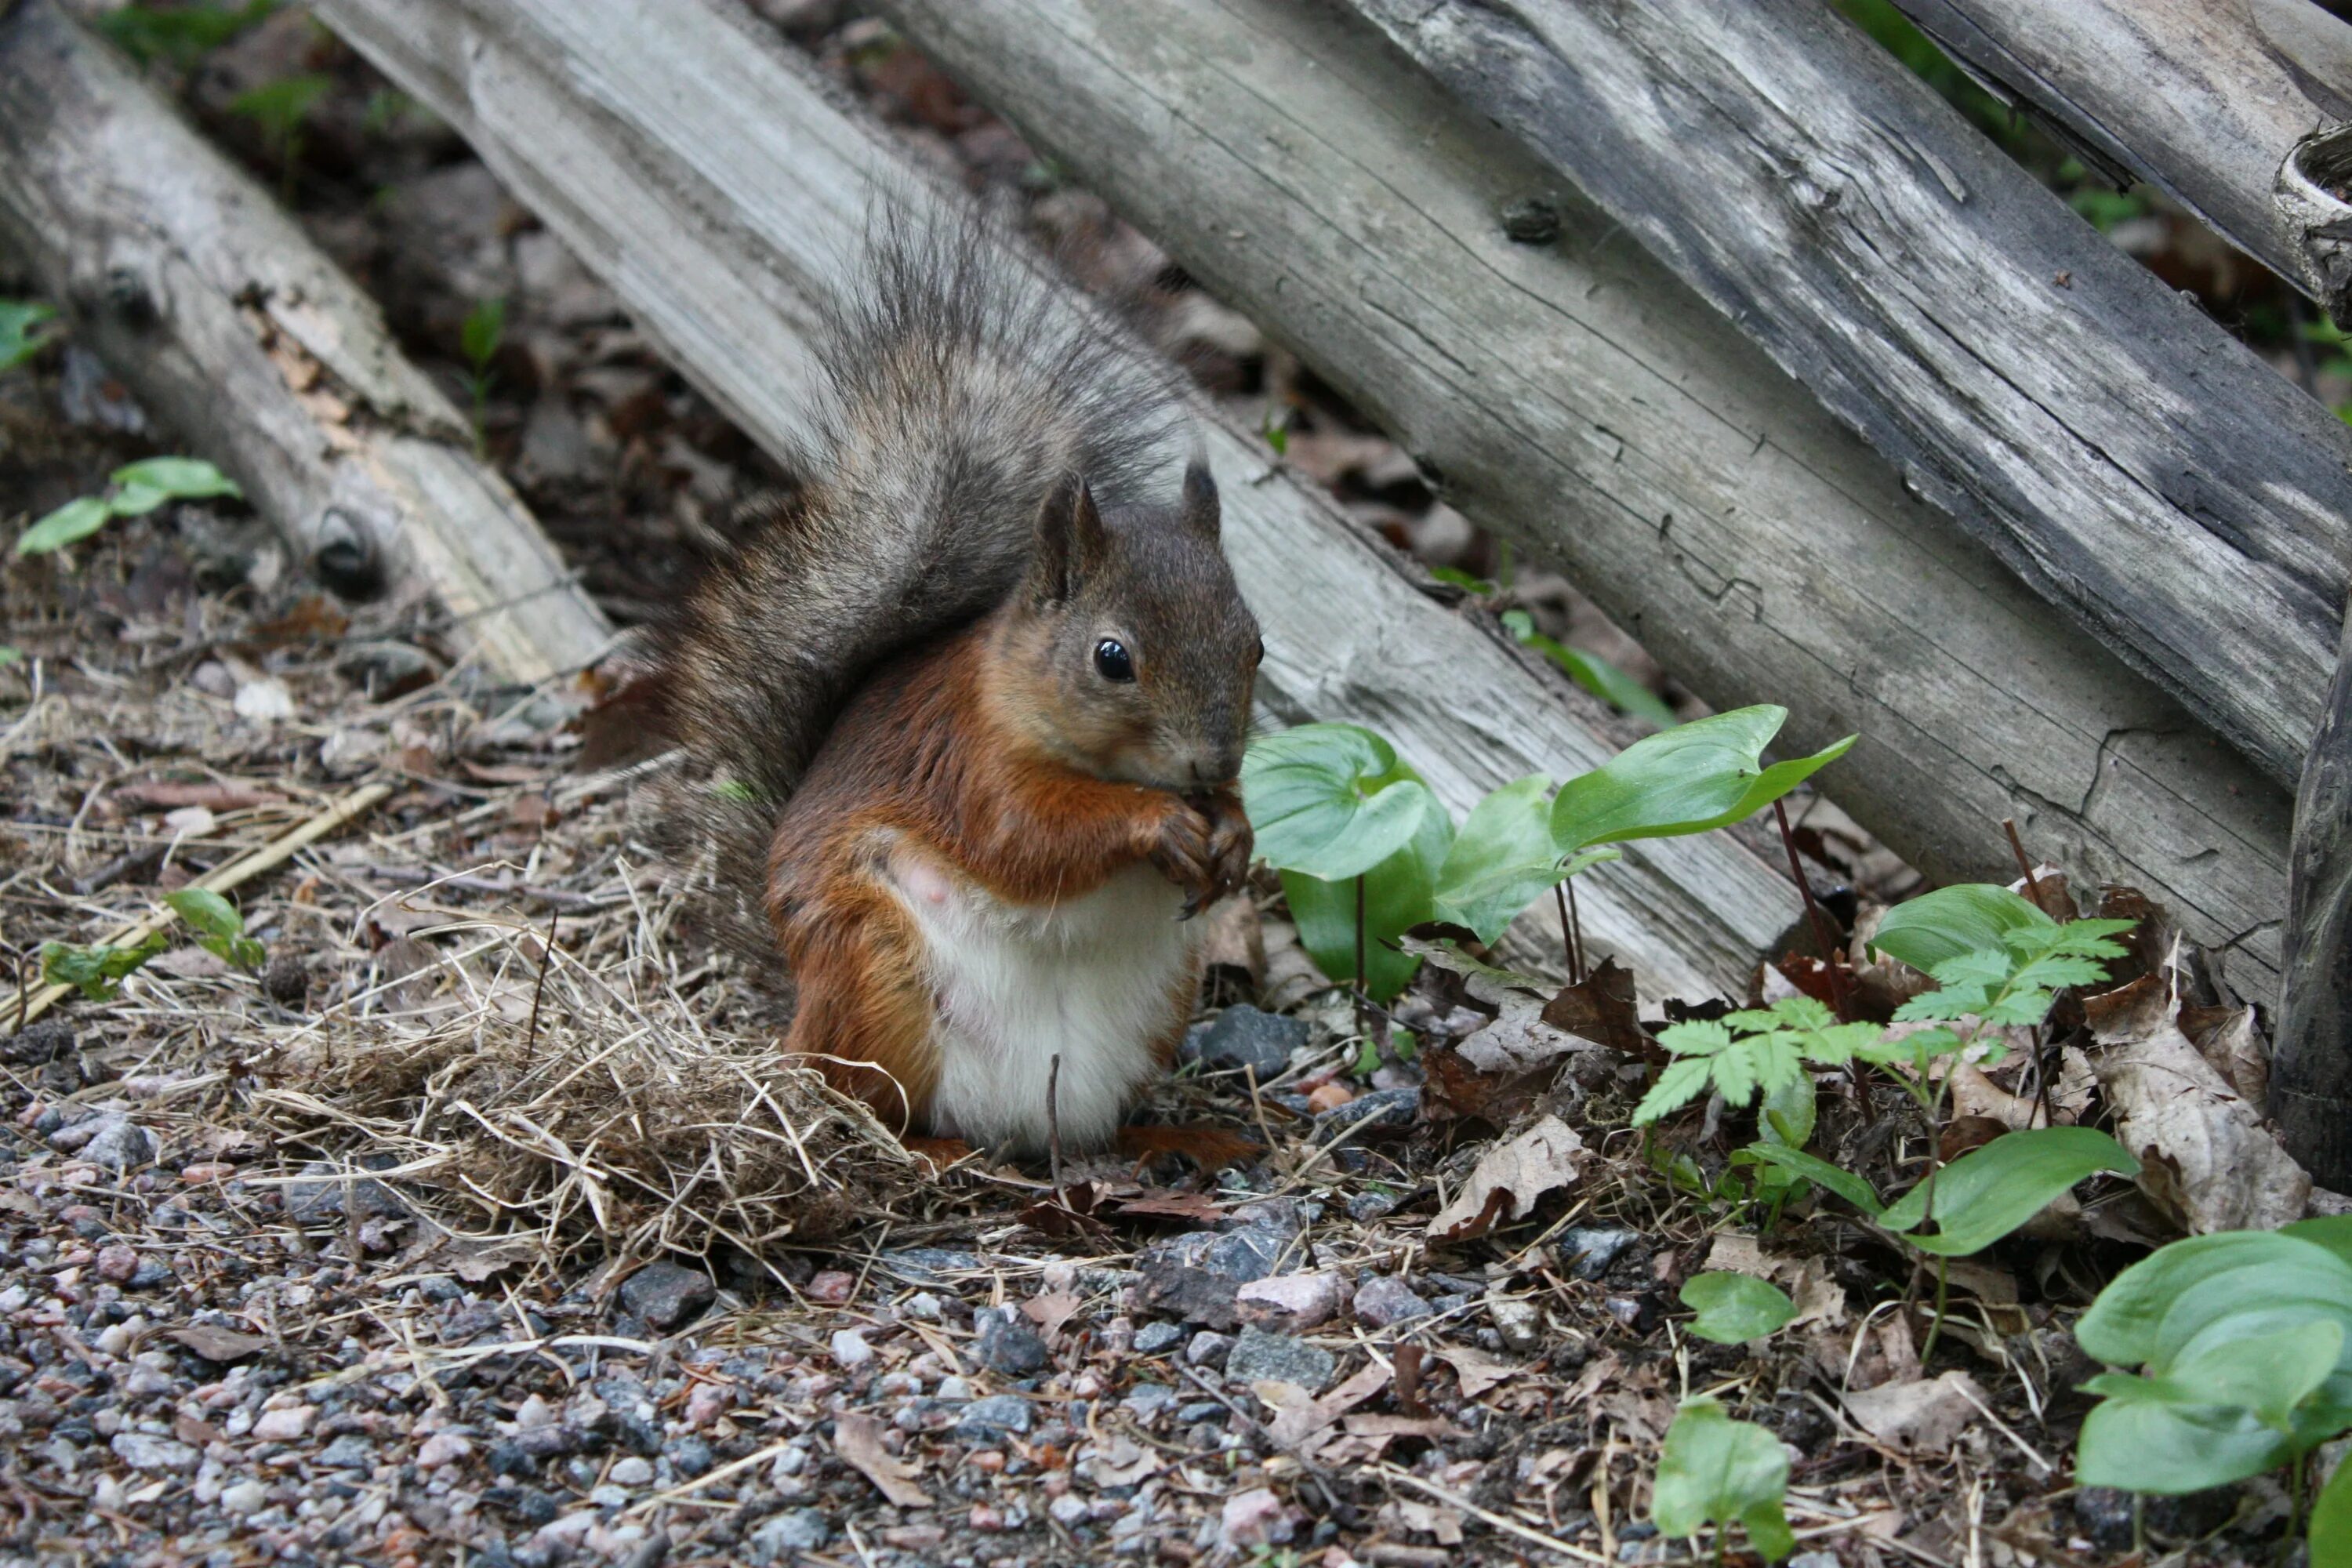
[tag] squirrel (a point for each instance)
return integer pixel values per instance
(964, 715)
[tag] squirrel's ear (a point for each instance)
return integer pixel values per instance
(1071, 540)
(1199, 505)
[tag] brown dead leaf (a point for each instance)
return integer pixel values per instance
(2230, 1039)
(212, 795)
(1234, 940)
(1918, 1416)
(1167, 1202)
(2206, 1159)
(1601, 1010)
(1118, 1461)
(1477, 1371)
(1510, 1179)
(315, 619)
(1299, 1418)
(1050, 1311)
(213, 1342)
(858, 1440)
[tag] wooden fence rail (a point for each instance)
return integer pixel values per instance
(2129, 459)
(2206, 100)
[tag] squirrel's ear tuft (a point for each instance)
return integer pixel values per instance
(1072, 543)
(1199, 506)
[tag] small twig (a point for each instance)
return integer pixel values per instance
(538, 986)
(1575, 931)
(268, 858)
(1054, 1127)
(2025, 862)
(23, 995)
(1499, 1521)
(1823, 931)
(1314, 1472)
(1407, 1360)
(1567, 933)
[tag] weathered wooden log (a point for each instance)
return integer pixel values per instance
(2311, 1055)
(2128, 458)
(2205, 100)
(1579, 400)
(229, 324)
(706, 172)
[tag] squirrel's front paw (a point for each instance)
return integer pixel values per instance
(1231, 844)
(1184, 852)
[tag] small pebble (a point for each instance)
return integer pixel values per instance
(832, 1287)
(850, 1350)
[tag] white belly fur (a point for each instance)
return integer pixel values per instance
(1090, 979)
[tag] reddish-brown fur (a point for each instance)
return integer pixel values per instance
(939, 751)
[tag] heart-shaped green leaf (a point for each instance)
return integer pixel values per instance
(1951, 922)
(1703, 775)
(1331, 801)
(1734, 1308)
(1716, 1470)
(2330, 1540)
(1989, 1192)
(1821, 1172)
(1503, 859)
(1399, 894)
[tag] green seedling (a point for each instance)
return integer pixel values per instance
(136, 489)
(2243, 1342)
(18, 340)
(97, 971)
(1734, 1308)
(485, 328)
(1593, 672)
(180, 36)
(1721, 1472)
(219, 929)
(281, 110)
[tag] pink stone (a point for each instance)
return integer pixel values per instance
(283, 1425)
(1288, 1303)
(832, 1287)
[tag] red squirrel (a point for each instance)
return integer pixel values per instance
(966, 734)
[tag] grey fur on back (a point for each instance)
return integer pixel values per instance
(958, 385)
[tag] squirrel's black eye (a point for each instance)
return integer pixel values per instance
(1259, 656)
(1113, 660)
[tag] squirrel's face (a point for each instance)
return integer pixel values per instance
(1140, 652)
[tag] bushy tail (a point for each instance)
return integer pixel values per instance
(958, 385)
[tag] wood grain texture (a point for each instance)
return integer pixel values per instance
(2311, 1054)
(1576, 397)
(224, 320)
(2130, 461)
(2203, 99)
(709, 177)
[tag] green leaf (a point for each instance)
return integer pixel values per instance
(97, 971)
(1734, 1308)
(1786, 1115)
(2147, 1445)
(180, 478)
(2211, 1277)
(18, 341)
(182, 33)
(1399, 894)
(1503, 859)
(1593, 672)
(10, 654)
(1705, 774)
(2267, 1374)
(280, 107)
(206, 911)
(2333, 1232)
(1989, 1192)
(484, 326)
(74, 520)
(1677, 1086)
(1716, 1470)
(2331, 1520)
(1329, 801)
(1814, 1169)
(1965, 918)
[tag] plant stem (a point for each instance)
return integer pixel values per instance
(2294, 1509)
(1823, 931)
(2025, 862)
(1575, 929)
(1568, 933)
(1363, 982)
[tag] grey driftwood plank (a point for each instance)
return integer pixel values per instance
(225, 320)
(702, 168)
(2203, 99)
(1578, 399)
(2135, 463)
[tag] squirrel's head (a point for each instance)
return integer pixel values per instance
(1135, 654)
